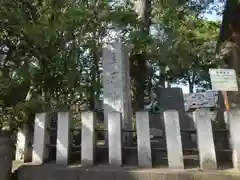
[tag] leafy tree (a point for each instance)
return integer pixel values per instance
(43, 45)
(186, 47)
(51, 50)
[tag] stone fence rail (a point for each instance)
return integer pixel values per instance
(115, 142)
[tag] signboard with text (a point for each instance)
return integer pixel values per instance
(200, 100)
(223, 79)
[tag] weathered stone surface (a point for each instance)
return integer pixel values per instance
(116, 84)
(234, 126)
(115, 138)
(205, 139)
(143, 140)
(173, 137)
(41, 138)
(22, 149)
(63, 138)
(88, 138)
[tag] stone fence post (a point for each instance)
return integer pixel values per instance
(173, 138)
(205, 141)
(115, 138)
(143, 140)
(64, 140)
(41, 138)
(234, 127)
(22, 149)
(88, 138)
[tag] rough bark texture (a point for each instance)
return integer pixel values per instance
(228, 14)
(138, 77)
(229, 44)
(138, 66)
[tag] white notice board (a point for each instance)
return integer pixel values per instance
(223, 79)
(200, 100)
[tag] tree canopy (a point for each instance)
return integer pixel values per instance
(50, 51)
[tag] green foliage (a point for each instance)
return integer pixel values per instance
(50, 50)
(51, 53)
(188, 42)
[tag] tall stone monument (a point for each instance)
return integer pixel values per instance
(116, 84)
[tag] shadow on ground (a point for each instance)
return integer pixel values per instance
(51, 171)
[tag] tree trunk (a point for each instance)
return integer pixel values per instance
(230, 32)
(191, 79)
(228, 14)
(94, 89)
(138, 66)
(162, 78)
(191, 86)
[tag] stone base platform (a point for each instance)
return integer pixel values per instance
(106, 172)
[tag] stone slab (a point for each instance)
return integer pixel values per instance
(88, 138)
(205, 141)
(234, 127)
(41, 138)
(22, 149)
(143, 140)
(63, 138)
(115, 138)
(173, 138)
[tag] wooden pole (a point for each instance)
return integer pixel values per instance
(226, 102)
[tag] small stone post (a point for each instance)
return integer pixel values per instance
(115, 138)
(22, 149)
(205, 141)
(88, 138)
(143, 140)
(41, 138)
(234, 127)
(63, 138)
(173, 138)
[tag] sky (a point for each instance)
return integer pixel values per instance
(213, 15)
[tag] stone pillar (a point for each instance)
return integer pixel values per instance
(63, 138)
(143, 140)
(116, 84)
(41, 138)
(173, 138)
(22, 149)
(88, 138)
(115, 138)
(206, 147)
(234, 126)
